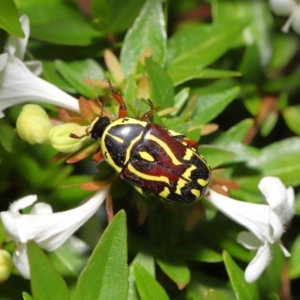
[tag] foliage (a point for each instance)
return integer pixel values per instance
(234, 81)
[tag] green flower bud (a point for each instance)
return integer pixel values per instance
(60, 140)
(5, 264)
(33, 124)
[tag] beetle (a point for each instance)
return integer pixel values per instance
(156, 161)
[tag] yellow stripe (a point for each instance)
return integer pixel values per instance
(195, 192)
(202, 182)
(118, 139)
(146, 156)
(180, 184)
(188, 154)
(148, 177)
(165, 193)
(128, 151)
(166, 148)
(188, 171)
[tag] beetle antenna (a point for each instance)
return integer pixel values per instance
(100, 101)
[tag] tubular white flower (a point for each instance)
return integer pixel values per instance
(49, 230)
(289, 8)
(19, 82)
(265, 222)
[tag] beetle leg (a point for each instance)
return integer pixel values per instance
(148, 113)
(191, 143)
(97, 156)
(119, 98)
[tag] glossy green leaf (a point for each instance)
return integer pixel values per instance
(281, 159)
(72, 32)
(148, 287)
(147, 261)
(243, 290)
(147, 31)
(259, 17)
(130, 91)
(106, 273)
(292, 118)
(46, 282)
(9, 19)
(215, 156)
(211, 105)
(269, 123)
(294, 260)
(78, 73)
(196, 251)
(115, 16)
(161, 87)
(184, 75)
(197, 47)
(27, 296)
(175, 269)
(239, 131)
(50, 74)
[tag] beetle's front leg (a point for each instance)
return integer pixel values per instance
(119, 98)
(97, 156)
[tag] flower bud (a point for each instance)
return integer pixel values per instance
(33, 124)
(60, 140)
(5, 264)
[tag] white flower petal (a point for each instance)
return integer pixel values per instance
(259, 263)
(22, 203)
(41, 208)
(248, 240)
(16, 46)
(282, 7)
(3, 61)
(19, 85)
(35, 67)
(284, 250)
(51, 230)
(20, 260)
(254, 217)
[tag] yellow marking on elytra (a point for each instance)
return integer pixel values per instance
(148, 177)
(165, 193)
(118, 139)
(174, 133)
(180, 184)
(187, 173)
(166, 148)
(195, 192)
(128, 151)
(146, 156)
(188, 154)
(202, 182)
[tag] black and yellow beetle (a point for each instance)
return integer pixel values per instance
(153, 159)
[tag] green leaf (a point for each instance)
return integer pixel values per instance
(78, 73)
(73, 32)
(176, 269)
(184, 75)
(115, 16)
(148, 31)
(215, 156)
(195, 48)
(9, 137)
(161, 86)
(46, 282)
(242, 289)
(27, 296)
(147, 261)
(209, 106)
(281, 159)
(106, 273)
(259, 17)
(239, 131)
(195, 251)
(292, 118)
(212, 295)
(9, 19)
(294, 260)
(148, 287)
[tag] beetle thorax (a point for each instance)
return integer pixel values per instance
(98, 126)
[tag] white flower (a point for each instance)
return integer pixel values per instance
(19, 81)
(265, 222)
(49, 230)
(289, 8)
